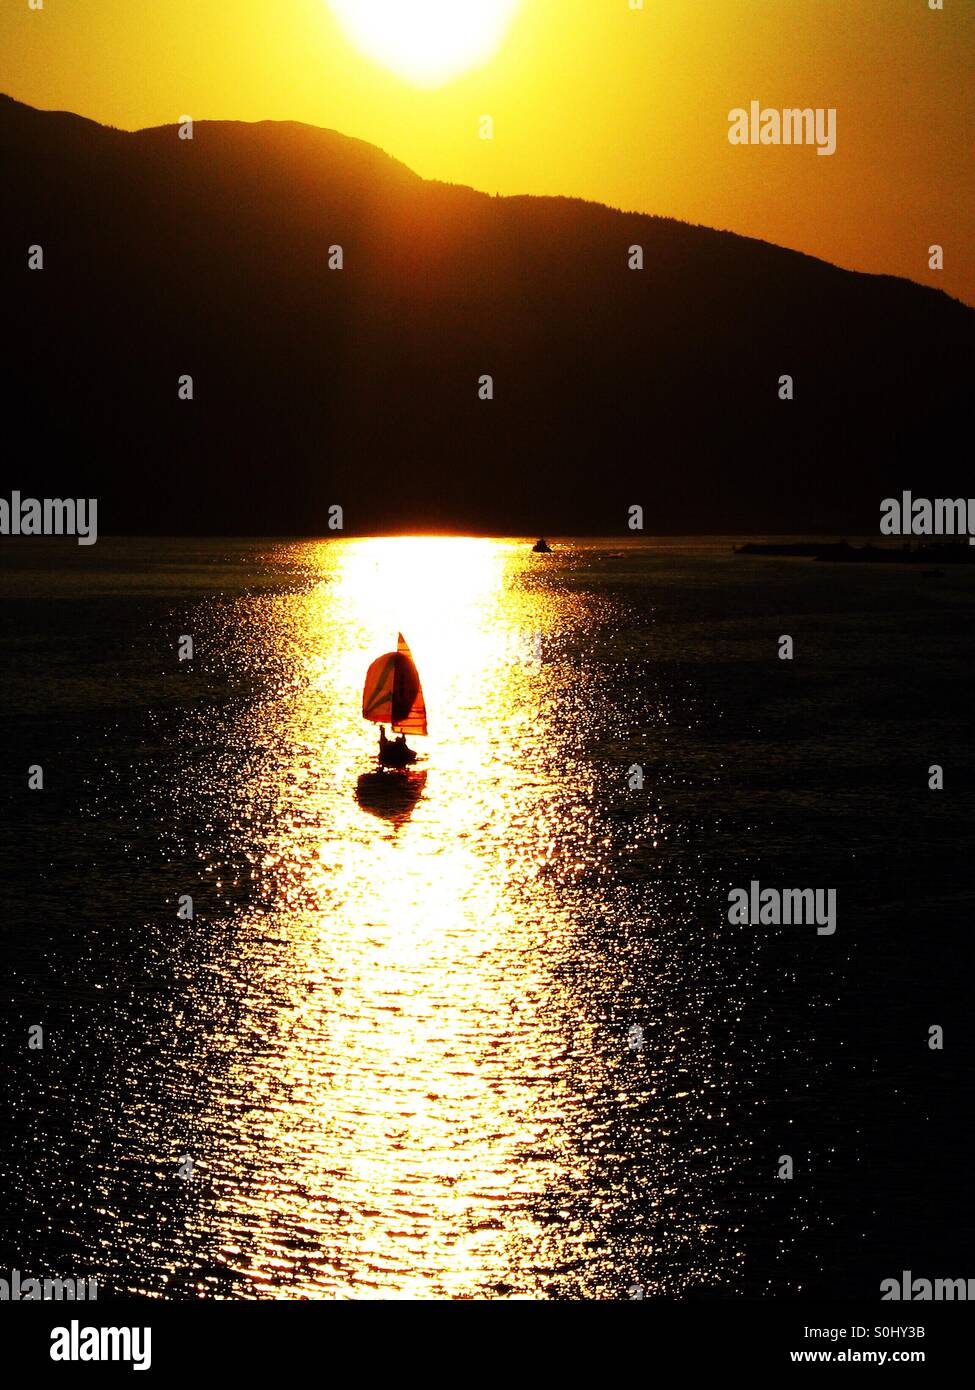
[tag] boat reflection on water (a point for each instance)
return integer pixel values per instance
(390, 795)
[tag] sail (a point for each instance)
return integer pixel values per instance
(392, 693)
(409, 707)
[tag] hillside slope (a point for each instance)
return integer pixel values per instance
(312, 386)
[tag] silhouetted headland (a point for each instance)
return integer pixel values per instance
(948, 553)
(315, 386)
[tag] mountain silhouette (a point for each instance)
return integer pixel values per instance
(359, 386)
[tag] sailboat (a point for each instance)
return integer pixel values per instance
(392, 695)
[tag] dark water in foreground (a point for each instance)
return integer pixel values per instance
(491, 1035)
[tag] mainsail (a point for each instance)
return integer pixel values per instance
(392, 693)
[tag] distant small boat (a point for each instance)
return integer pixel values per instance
(932, 574)
(542, 547)
(392, 695)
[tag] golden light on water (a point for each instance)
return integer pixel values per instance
(429, 588)
(426, 41)
(489, 1036)
(412, 1037)
(410, 1055)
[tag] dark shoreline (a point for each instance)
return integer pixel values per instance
(844, 553)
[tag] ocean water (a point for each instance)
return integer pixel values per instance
(483, 1030)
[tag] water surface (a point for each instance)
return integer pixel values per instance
(486, 1031)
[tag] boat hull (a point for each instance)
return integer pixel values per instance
(397, 757)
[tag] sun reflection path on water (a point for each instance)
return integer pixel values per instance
(399, 1093)
(413, 1075)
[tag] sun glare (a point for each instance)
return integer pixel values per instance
(426, 41)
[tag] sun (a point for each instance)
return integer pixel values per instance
(426, 41)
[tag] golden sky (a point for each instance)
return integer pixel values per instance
(589, 98)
